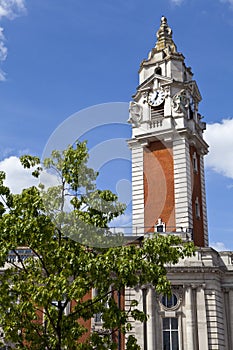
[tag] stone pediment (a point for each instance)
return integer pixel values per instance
(193, 88)
(147, 83)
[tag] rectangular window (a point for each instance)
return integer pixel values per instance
(98, 317)
(195, 163)
(197, 208)
(170, 333)
(160, 226)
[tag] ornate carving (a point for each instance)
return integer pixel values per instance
(177, 292)
(180, 102)
(135, 114)
(164, 37)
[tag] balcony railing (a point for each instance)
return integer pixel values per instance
(128, 231)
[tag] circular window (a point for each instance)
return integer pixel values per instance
(169, 301)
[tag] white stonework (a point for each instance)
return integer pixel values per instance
(137, 188)
(182, 183)
(199, 316)
(151, 318)
(173, 118)
(204, 210)
(204, 286)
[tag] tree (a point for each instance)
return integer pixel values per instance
(70, 252)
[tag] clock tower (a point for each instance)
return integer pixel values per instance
(167, 145)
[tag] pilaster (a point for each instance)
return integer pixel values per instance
(139, 325)
(182, 183)
(151, 327)
(137, 187)
(231, 317)
(201, 319)
(204, 210)
(227, 322)
(189, 341)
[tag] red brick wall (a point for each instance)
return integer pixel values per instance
(159, 185)
(116, 335)
(86, 324)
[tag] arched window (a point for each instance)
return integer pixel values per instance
(169, 301)
(158, 70)
(170, 321)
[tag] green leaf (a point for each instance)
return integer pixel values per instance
(48, 272)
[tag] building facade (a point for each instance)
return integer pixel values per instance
(168, 196)
(168, 186)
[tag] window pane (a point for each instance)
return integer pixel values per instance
(170, 333)
(98, 317)
(166, 340)
(164, 300)
(166, 323)
(169, 301)
(174, 323)
(159, 228)
(175, 342)
(172, 301)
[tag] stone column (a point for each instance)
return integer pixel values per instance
(189, 342)
(227, 322)
(137, 187)
(151, 329)
(182, 183)
(230, 317)
(138, 324)
(201, 319)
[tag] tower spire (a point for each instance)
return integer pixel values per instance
(164, 37)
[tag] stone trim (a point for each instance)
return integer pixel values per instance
(137, 187)
(204, 209)
(182, 183)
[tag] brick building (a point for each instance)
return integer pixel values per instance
(169, 196)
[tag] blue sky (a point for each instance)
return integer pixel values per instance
(58, 57)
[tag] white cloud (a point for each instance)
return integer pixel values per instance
(3, 53)
(219, 246)
(12, 8)
(219, 136)
(2, 75)
(177, 2)
(9, 9)
(122, 220)
(122, 224)
(3, 49)
(9, 151)
(229, 2)
(18, 178)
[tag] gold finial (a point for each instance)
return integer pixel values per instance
(164, 37)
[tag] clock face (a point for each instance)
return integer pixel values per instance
(156, 97)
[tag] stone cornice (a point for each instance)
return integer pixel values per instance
(196, 269)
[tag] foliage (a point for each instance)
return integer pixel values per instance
(67, 257)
